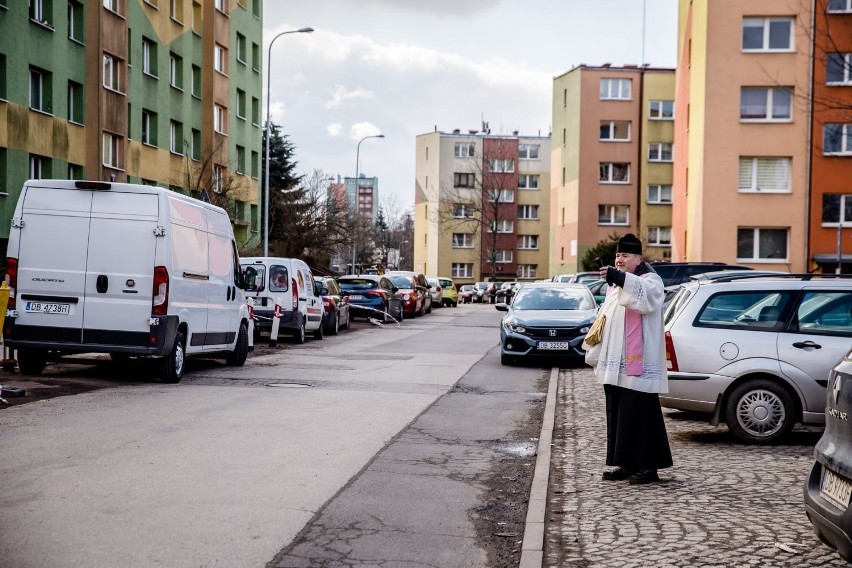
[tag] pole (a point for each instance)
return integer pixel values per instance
(356, 200)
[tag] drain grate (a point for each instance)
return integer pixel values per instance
(289, 385)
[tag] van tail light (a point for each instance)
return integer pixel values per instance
(12, 279)
(160, 304)
(295, 290)
(671, 358)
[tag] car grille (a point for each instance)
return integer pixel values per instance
(544, 332)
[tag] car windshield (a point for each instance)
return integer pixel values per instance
(358, 284)
(401, 281)
(553, 299)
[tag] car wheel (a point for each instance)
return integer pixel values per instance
(299, 336)
(760, 411)
(171, 367)
(385, 313)
(429, 311)
(32, 361)
(348, 319)
(237, 357)
(335, 324)
(507, 360)
(320, 332)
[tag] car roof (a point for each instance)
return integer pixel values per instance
(780, 281)
(374, 277)
(575, 285)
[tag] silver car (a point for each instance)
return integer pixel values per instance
(436, 291)
(756, 353)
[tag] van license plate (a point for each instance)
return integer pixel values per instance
(835, 488)
(46, 308)
(560, 345)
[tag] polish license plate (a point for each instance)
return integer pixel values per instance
(47, 308)
(835, 488)
(356, 297)
(557, 345)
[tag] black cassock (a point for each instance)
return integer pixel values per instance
(635, 431)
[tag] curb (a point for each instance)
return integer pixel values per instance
(532, 550)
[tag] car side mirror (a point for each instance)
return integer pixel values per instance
(501, 307)
(394, 289)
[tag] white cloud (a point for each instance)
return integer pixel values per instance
(334, 129)
(341, 94)
(277, 112)
(361, 129)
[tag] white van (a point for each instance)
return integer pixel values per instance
(291, 280)
(122, 269)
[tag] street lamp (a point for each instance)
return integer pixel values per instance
(269, 135)
(357, 204)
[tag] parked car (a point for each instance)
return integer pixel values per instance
(506, 292)
(583, 277)
(480, 290)
(547, 318)
(829, 485)
(721, 275)
(562, 278)
(372, 296)
(466, 294)
(436, 290)
(335, 305)
(451, 294)
(674, 273)
(598, 289)
(422, 285)
(755, 352)
(413, 299)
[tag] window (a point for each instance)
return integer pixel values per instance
(767, 34)
(255, 57)
(836, 208)
(838, 69)
(149, 57)
(462, 211)
(176, 71)
(462, 240)
(149, 127)
(501, 166)
(503, 256)
(113, 6)
(837, 139)
(825, 313)
(40, 90)
(613, 214)
(196, 144)
(764, 174)
(658, 193)
(464, 149)
(528, 181)
(220, 59)
(527, 270)
(615, 89)
(528, 212)
(176, 137)
(112, 73)
(615, 130)
(39, 167)
(40, 11)
(614, 173)
(218, 178)
(527, 241)
(219, 124)
(196, 81)
(2, 77)
(254, 164)
(464, 180)
(241, 48)
(255, 111)
(528, 151)
(76, 104)
(196, 17)
(661, 110)
(659, 152)
(76, 27)
(766, 103)
(75, 171)
(501, 226)
(501, 195)
(753, 310)
(176, 10)
(241, 160)
(462, 270)
(659, 236)
(220, 5)
(111, 151)
(836, 6)
(241, 104)
(761, 244)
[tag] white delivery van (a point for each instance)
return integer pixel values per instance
(122, 269)
(291, 280)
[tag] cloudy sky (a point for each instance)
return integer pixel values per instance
(405, 67)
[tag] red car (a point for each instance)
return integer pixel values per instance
(413, 302)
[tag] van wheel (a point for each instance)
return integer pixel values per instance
(318, 334)
(299, 336)
(335, 324)
(238, 356)
(32, 361)
(171, 366)
(760, 412)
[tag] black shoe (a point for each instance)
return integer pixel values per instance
(643, 477)
(618, 474)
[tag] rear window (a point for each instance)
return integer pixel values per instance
(358, 284)
(402, 281)
(445, 283)
(279, 280)
(253, 276)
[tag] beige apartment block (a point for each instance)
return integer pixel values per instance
(482, 206)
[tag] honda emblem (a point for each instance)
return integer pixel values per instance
(551, 332)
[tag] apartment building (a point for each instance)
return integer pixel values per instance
(482, 206)
(741, 151)
(612, 156)
(365, 193)
(163, 92)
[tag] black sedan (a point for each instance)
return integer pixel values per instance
(546, 318)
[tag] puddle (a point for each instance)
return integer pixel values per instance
(520, 449)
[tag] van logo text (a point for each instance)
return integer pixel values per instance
(48, 280)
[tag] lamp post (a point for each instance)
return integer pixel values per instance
(269, 135)
(356, 201)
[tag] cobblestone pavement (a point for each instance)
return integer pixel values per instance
(722, 504)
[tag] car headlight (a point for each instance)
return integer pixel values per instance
(406, 297)
(585, 329)
(511, 325)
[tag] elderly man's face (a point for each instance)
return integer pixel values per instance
(627, 262)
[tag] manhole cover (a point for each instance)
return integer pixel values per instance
(289, 385)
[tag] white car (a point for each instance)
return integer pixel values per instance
(436, 290)
(756, 353)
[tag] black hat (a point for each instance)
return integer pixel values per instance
(629, 244)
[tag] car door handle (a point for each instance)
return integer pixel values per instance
(102, 283)
(228, 297)
(808, 343)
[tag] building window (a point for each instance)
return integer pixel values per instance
(149, 57)
(462, 211)
(761, 244)
(766, 103)
(501, 195)
(176, 10)
(220, 59)
(767, 34)
(40, 89)
(661, 110)
(528, 151)
(462, 240)
(196, 144)
(529, 242)
(255, 111)
(241, 160)
(241, 48)
(255, 57)
(149, 127)
(839, 6)
(462, 270)
(464, 149)
(660, 152)
(176, 71)
(614, 173)
(176, 137)
(501, 166)
(837, 139)
(528, 212)
(659, 236)
(2, 77)
(111, 151)
(615, 89)
(114, 6)
(196, 81)
(241, 104)
(218, 178)
(196, 17)
(219, 116)
(220, 5)
(838, 69)
(39, 167)
(112, 73)
(464, 180)
(75, 171)
(503, 256)
(658, 193)
(527, 270)
(254, 164)
(615, 130)
(764, 174)
(76, 28)
(76, 104)
(528, 181)
(41, 12)
(505, 226)
(613, 214)
(836, 208)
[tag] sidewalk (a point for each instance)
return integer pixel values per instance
(722, 504)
